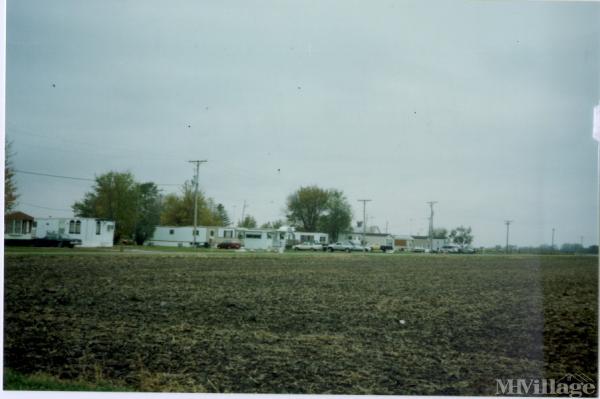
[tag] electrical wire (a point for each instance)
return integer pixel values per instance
(75, 178)
(51, 175)
(45, 207)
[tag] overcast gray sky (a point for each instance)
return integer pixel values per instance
(484, 106)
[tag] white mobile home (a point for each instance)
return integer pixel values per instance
(265, 239)
(423, 242)
(181, 236)
(18, 226)
(403, 242)
(92, 232)
(178, 236)
(318, 238)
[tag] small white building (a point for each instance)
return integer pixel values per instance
(423, 242)
(92, 232)
(403, 242)
(265, 239)
(18, 226)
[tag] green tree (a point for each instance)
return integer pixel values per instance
(571, 248)
(273, 225)
(461, 236)
(178, 210)
(440, 233)
(338, 215)
(148, 210)
(306, 206)
(10, 186)
(114, 196)
(248, 222)
(222, 215)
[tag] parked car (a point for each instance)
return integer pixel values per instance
(308, 246)
(467, 250)
(419, 249)
(449, 249)
(229, 245)
(347, 246)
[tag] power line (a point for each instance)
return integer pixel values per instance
(75, 178)
(45, 207)
(50, 175)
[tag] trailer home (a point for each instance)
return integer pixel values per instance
(92, 232)
(318, 238)
(178, 236)
(18, 226)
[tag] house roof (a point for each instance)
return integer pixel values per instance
(17, 216)
(402, 237)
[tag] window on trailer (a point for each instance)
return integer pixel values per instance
(98, 227)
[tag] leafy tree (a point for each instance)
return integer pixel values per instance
(461, 236)
(148, 209)
(440, 233)
(338, 215)
(306, 206)
(248, 222)
(114, 196)
(222, 215)
(570, 248)
(10, 187)
(273, 225)
(178, 210)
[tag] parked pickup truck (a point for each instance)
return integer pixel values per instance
(347, 246)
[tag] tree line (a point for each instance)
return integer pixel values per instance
(137, 207)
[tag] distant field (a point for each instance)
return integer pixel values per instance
(299, 323)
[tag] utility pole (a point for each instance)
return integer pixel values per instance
(386, 226)
(243, 212)
(553, 238)
(581, 240)
(364, 201)
(507, 222)
(235, 224)
(197, 162)
(431, 204)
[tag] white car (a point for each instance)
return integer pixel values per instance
(450, 249)
(348, 246)
(308, 246)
